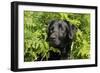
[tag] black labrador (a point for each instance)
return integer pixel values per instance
(60, 35)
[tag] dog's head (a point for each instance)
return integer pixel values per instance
(60, 32)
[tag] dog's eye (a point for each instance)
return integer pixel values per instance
(60, 26)
(51, 31)
(52, 28)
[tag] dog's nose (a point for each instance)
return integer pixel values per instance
(53, 37)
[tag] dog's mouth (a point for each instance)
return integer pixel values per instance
(54, 42)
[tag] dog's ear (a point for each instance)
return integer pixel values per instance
(72, 31)
(50, 23)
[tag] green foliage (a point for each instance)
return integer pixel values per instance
(35, 34)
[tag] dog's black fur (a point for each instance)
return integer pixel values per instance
(60, 35)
